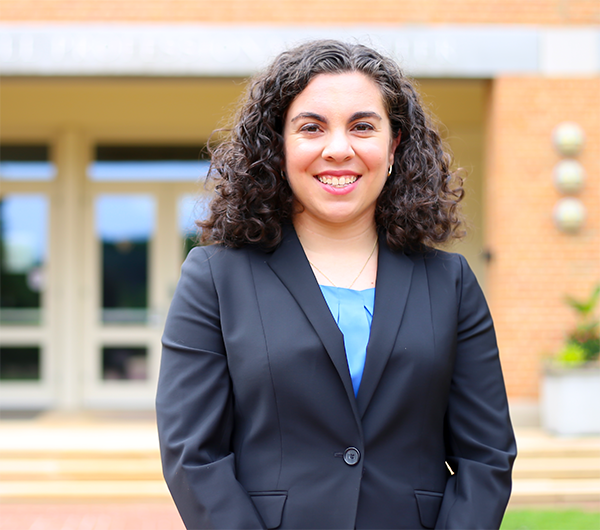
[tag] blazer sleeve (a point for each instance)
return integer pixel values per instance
(480, 444)
(194, 408)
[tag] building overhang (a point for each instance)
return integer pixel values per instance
(122, 49)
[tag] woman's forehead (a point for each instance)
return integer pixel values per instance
(329, 91)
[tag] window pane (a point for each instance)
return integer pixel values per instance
(124, 363)
(124, 226)
(19, 363)
(190, 209)
(148, 163)
(23, 255)
(25, 162)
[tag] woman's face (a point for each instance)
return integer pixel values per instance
(338, 147)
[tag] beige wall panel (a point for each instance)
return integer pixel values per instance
(459, 106)
(162, 110)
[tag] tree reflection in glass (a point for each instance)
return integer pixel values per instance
(190, 209)
(20, 363)
(124, 226)
(23, 251)
(124, 362)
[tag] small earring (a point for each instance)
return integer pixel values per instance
(390, 169)
(283, 175)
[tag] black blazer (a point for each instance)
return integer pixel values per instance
(258, 423)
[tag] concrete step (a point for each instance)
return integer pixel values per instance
(554, 470)
(535, 443)
(83, 490)
(80, 458)
(553, 491)
(91, 468)
(104, 462)
(557, 468)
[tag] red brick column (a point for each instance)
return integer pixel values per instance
(533, 264)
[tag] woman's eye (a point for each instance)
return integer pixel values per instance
(310, 127)
(362, 126)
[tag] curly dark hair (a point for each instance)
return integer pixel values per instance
(418, 204)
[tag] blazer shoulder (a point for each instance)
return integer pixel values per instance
(213, 254)
(223, 264)
(209, 251)
(448, 263)
(450, 268)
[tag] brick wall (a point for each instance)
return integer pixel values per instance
(534, 265)
(328, 12)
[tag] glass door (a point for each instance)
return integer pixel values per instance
(26, 176)
(140, 229)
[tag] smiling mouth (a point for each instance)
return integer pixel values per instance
(337, 182)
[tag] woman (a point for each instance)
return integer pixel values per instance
(323, 367)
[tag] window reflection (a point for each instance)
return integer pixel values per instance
(125, 225)
(25, 162)
(19, 363)
(148, 171)
(23, 251)
(190, 209)
(129, 363)
(148, 163)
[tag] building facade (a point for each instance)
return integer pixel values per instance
(106, 107)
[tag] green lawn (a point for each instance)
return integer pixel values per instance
(551, 520)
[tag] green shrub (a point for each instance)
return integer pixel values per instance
(583, 342)
(573, 353)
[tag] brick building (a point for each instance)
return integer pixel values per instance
(104, 108)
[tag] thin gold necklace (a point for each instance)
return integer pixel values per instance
(359, 272)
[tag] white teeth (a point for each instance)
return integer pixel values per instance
(340, 182)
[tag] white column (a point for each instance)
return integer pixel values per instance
(71, 154)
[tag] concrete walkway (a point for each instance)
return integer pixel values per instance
(68, 516)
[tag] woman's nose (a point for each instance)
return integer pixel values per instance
(338, 147)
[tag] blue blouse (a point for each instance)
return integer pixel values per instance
(353, 312)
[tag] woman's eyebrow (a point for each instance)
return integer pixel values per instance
(361, 115)
(364, 114)
(310, 115)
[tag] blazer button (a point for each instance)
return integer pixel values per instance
(351, 456)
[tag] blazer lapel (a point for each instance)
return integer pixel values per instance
(394, 273)
(290, 264)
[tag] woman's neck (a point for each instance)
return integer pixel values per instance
(340, 256)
